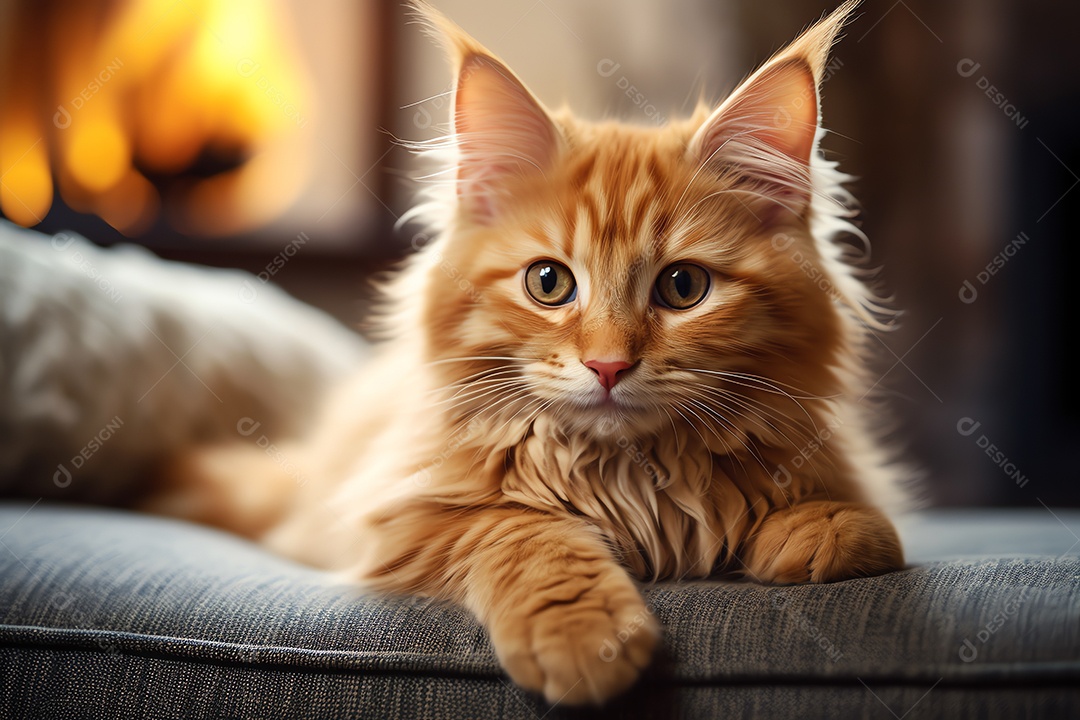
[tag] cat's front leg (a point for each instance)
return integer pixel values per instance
(822, 541)
(565, 619)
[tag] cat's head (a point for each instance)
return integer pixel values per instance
(620, 278)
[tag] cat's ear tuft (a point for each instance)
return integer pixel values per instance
(501, 131)
(766, 131)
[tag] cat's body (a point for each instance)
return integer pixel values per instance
(628, 354)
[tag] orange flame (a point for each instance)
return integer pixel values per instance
(152, 86)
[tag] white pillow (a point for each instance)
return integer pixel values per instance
(111, 358)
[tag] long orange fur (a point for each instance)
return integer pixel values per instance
(476, 458)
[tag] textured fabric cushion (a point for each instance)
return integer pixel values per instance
(109, 614)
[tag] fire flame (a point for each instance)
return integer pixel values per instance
(116, 105)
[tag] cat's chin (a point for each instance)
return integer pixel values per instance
(609, 419)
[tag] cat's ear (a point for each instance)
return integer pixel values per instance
(766, 131)
(501, 131)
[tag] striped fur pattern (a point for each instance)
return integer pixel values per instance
(479, 459)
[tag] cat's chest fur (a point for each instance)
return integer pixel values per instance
(666, 504)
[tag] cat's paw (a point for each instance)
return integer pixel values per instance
(823, 542)
(581, 640)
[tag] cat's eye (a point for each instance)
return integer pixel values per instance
(550, 283)
(682, 286)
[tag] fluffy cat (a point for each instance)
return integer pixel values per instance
(629, 354)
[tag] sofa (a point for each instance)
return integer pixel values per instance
(110, 614)
(110, 357)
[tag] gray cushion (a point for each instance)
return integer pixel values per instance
(110, 614)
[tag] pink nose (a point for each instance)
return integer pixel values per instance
(608, 372)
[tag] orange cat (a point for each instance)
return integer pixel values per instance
(631, 353)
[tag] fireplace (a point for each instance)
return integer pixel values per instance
(193, 122)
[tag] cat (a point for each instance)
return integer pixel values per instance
(629, 354)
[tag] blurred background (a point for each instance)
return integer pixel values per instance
(260, 134)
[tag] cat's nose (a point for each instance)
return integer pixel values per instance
(608, 372)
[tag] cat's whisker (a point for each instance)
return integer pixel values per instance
(533, 414)
(747, 403)
(749, 449)
(806, 395)
(445, 93)
(768, 385)
(674, 430)
(502, 369)
(459, 387)
(731, 429)
(760, 420)
(796, 448)
(509, 396)
(454, 391)
(526, 407)
(479, 358)
(765, 386)
(478, 395)
(704, 442)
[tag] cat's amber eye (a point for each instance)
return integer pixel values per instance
(550, 283)
(682, 286)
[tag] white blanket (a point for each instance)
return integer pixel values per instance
(110, 358)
